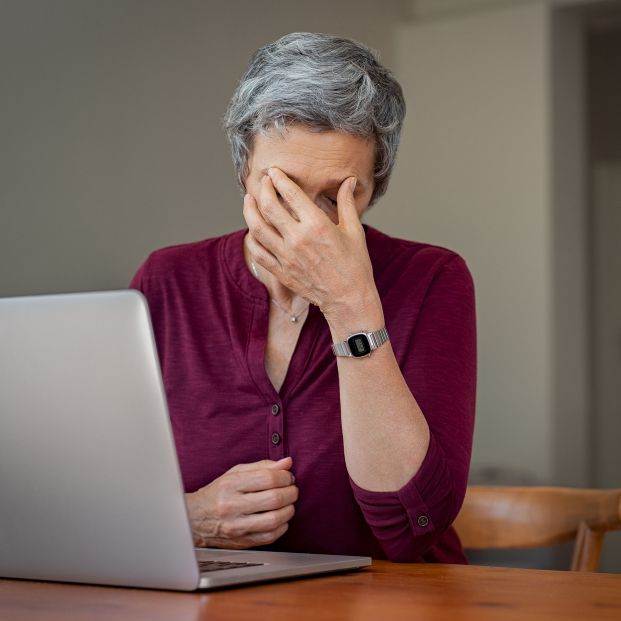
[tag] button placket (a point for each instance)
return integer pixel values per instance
(275, 431)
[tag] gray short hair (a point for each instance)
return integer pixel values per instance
(322, 82)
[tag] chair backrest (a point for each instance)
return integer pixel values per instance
(533, 517)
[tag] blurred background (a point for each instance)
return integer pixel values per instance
(111, 146)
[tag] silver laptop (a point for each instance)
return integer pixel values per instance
(90, 487)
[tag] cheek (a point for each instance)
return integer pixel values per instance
(362, 203)
(361, 209)
(252, 185)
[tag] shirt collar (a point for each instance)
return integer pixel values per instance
(237, 270)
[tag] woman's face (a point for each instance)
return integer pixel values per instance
(318, 162)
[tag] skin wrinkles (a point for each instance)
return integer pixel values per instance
(323, 259)
(318, 162)
(317, 167)
(306, 190)
(318, 256)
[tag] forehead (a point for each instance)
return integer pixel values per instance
(307, 156)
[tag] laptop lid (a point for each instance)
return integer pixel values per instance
(89, 480)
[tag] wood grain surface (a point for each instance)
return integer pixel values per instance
(527, 517)
(385, 592)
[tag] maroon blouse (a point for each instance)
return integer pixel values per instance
(210, 318)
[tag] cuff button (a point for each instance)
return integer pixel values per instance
(422, 521)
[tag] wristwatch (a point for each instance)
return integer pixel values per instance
(360, 344)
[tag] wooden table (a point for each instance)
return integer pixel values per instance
(384, 592)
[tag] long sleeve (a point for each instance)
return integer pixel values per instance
(438, 361)
(210, 318)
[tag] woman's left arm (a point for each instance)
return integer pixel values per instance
(408, 468)
(436, 350)
(385, 434)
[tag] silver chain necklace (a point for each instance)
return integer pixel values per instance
(293, 318)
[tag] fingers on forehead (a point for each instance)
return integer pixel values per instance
(269, 196)
(285, 186)
(267, 185)
(278, 177)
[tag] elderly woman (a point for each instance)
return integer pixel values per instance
(320, 374)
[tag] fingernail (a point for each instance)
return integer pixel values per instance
(353, 183)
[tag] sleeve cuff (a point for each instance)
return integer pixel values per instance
(408, 521)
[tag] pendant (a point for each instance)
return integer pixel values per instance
(294, 319)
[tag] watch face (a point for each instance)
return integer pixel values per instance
(359, 345)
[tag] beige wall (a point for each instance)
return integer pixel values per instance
(110, 125)
(605, 163)
(476, 174)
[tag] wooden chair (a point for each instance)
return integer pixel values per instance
(533, 517)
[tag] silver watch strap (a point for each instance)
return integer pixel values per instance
(341, 349)
(377, 338)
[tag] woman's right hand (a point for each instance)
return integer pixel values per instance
(249, 505)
